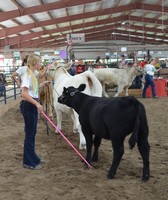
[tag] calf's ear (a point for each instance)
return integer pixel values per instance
(81, 87)
(64, 89)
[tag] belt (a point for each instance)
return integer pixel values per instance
(36, 99)
(149, 75)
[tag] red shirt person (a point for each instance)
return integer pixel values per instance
(144, 62)
(80, 67)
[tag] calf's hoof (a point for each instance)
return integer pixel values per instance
(86, 167)
(94, 159)
(56, 131)
(110, 176)
(51, 117)
(82, 146)
(75, 130)
(145, 177)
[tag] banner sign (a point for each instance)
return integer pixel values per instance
(77, 37)
(16, 55)
(123, 49)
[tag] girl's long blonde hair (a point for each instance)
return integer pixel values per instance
(32, 61)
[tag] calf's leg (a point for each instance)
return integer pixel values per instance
(120, 89)
(82, 141)
(104, 91)
(74, 117)
(51, 111)
(144, 148)
(97, 142)
(118, 151)
(126, 92)
(89, 143)
(59, 120)
(77, 129)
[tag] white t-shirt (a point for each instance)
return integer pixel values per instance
(26, 81)
(150, 69)
(22, 70)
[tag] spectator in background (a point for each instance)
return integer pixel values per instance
(137, 83)
(98, 59)
(80, 66)
(99, 64)
(157, 63)
(164, 63)
(149, 78)
(90, 66)
(2, 84)
(123, 64)
(24, 61)
(72, 70)
(144, 62)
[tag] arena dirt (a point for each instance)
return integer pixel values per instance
(63, 177)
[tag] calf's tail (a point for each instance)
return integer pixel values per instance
(134, 137)
(94, 84)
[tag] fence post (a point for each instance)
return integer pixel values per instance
(14, 84)
(5, 96)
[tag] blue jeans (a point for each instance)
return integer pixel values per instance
(30, 115)
(2, 89)
(149, 81)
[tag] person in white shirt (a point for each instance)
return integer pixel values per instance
(149, 78)
(29, 107)
(21, 70)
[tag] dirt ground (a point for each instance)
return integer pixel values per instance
(63, 177)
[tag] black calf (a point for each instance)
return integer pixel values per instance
(112, 119)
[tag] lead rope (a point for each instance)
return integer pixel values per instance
(70, 144)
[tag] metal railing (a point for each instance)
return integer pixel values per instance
(11, 92)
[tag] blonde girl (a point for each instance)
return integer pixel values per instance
(29, 107)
